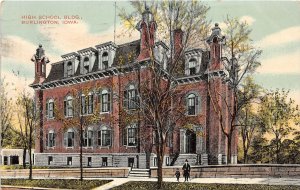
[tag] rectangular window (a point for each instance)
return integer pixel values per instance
(70, 137)
(51, 110)
(105, 102)
(50, 160)
(106, 140)
(51, 140)
(5, 160)
(90, 104)
(132, 100)
(191, 106)
(155, 161)
(88, 138)
(83, 105)
(125, 136)
(167, 161)
(69, 161)
(104, 161)
(132, 136)
(69, 69)
(89, 161)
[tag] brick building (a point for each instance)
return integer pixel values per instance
(105, 72)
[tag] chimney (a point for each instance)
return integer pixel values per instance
(177, 42)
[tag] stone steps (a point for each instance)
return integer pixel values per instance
(140, 173)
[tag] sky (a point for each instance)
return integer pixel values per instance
(275, 29)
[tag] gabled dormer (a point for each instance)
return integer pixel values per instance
(193, 59)
(88, 58)
(71, 62)
(106, 54)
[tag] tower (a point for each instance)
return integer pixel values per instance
(147, 27)
(40, 61)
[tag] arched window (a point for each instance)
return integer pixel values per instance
(69, 138)
(105, 101)
(192, 104)
(105, 60)
(68, 106)
(86, 65)
(50, 138)
(192, 66)
(88, 137)
(69, 69)
(104, 136)
(83, 103)
(130, 97)
(50, 109)
(130, 135)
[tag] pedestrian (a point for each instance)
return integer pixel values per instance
(177, 174)
(186, 170)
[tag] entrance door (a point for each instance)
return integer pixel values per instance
(131, 162)
(190, 141)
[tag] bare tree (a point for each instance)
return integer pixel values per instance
(240, 59)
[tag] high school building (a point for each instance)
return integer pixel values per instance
(101, 73)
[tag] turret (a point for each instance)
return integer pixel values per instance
(147, 27)
(40, 61)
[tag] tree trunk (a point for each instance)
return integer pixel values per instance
(159, 168)
(24, 157)
(80, 156)
(229, 149)
(29, 152)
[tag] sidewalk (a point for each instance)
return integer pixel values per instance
(265, 181)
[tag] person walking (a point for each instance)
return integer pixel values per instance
(186, 170)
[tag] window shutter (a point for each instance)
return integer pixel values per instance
(182, 134)
(65, 107)
(54, 135)
(109, 101)
(46, 109)
(125, 100)
(198, 105)
(65, 139)
(53, 109)
(186, 104)
(47, 139)
(92, 102)
(65, 69)
(125, 136)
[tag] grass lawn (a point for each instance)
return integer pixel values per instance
(196, 186)
(55, 183)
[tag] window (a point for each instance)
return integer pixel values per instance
(83, 105)
(167, 160)
(50, 160)
(191, 104)
(130, 97)
(155, 161)
(68, 106)
(105, 60)
(90, 104)
(192, 66)
(50, 139)
(69, 69)
(130, 135)
(104, 136)
(105, 101)
(50, 109)
(104, 161)
(88, 137)
(86, 65)
(169, 139)
(89, 163)
(69, 161)
(69, 138)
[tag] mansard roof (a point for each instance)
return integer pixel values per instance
(56, 72)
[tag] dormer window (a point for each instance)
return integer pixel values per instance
(69, 69)
(86, 65)
(192, 66)
(105, 60)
